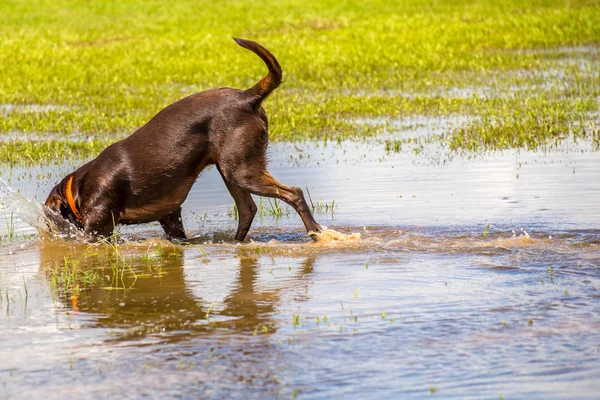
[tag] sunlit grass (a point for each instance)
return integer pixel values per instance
(268, 207)
(102, 69)
(321, 207)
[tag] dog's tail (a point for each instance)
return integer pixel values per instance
(257, 93)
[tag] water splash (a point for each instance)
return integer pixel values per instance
(25, 209)
(330, 237)
(35, 214)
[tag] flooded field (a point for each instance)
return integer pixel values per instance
(451, 148)
(473, 277)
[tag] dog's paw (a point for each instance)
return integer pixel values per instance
(330, 236)
(314, 235)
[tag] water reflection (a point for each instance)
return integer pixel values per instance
(165, 291)
(452, 265)
(252, 306)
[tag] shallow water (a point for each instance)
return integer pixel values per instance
(472, 277)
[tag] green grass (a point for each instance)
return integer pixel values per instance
(10, 229)
(109, 66)
(32, 151)
(320, 207)
(8, 233)
(265, 207)
(107, 265)
(277, 208)
(67, 278)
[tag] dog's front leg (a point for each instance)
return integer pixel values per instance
(245, 205)
(173, 225)
(99, 225)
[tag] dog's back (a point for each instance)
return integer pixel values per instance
(148, 175)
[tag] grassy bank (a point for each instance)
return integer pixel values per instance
(526, 73)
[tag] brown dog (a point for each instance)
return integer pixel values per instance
(148, 175)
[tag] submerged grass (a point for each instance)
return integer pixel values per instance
(69, 276)
(276, 208)
(105, 68)
(106, 265)
(10, 230)
(321, 207)
(8, 233)
(66, 278)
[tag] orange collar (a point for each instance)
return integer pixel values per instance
(71, 201)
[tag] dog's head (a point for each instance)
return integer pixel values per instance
(59, 216)
(57, 201)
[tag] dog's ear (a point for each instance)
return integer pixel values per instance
(56, 203)
(57, 213)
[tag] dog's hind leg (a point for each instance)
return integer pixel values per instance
(173, 225)
(245, 205)
(265, 185)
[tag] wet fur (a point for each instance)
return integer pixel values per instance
(148, 175)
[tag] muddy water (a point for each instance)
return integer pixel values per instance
(427, 300)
